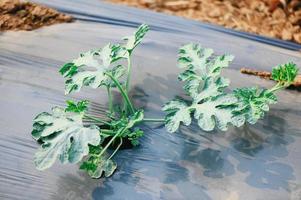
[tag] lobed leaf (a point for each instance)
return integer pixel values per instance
(285, 74)
(78, 107)
(134, 40)
(96, 164)
(253, 102)
(217, 112)
(193, 56)
(90, 68)
(211, 88)
(217, 64)
(211, 106)
(117, 72)
(63, 136)
(200, 67)
(134, 136)
(177, 112)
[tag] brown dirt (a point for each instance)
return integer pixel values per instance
(20, 15)
(273, 18)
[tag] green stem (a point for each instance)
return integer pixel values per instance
(123, 93)
(110, 142)
(115, 151)
(109, 115)
(153, 120)
(108, 131)
(110, 99)
(128, 79)
(97, 120)
(278, 86)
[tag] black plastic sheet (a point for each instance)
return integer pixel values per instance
(262, 161)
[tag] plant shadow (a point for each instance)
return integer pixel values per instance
(257, 150)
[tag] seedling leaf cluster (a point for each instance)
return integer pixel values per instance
(72, 135)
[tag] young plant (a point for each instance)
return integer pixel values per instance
(72, 135)
(210, 104)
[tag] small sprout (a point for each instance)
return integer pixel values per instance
(285, 74)
(63, 134)
(78, 107)
(134, 40)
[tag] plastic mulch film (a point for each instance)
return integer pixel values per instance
(262, 161)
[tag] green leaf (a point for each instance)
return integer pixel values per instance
(285, 74)
(193, 82)
(214, 112)
(200, 67)
(211, 88)
(78, 107)
(134, 40)
(177, 112)
(90, 68)
(68, 70)
(217, 112)
(97, 165)
(188, 75)
(193, 56)
(134, 136)
(253, 103)
(117, 72)
(63, 136)
(200, 61)
(217, 64)
(210, 106)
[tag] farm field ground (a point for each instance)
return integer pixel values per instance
(22, 15)
(273, 18)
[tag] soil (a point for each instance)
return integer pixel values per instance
(21, 15)
(273, 18)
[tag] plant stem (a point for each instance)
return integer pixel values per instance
(106, 131)
(128, 79)
(97, 119)
(276, 87)
(110, 99)
(153, 120)
(123, 93)
(115, 151)
(110, 142)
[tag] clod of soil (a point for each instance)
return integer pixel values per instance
(20, 15)
(273, 18)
